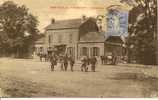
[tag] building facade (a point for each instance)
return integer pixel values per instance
(77, 37)
(68, 36)
(62, 36)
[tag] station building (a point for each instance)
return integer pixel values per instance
(81, 37)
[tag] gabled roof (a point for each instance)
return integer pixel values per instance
(62, 24)
(115, 37)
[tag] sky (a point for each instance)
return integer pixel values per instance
(45, 10)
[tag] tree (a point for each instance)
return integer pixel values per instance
(19, 29)
(142, 29)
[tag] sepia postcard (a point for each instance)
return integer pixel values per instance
(78, 48)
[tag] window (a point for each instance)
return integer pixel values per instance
(95, 51)
(84, 51)
(70, 38)
(60, 38)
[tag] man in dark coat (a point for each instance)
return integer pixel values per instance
(114, 58)
(102, 59)
(72, 61)
(93, 63)
(40, 55)
(65, 58)
(84, 61)
(53, 62)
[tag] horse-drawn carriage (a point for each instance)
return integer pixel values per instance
(109, 59)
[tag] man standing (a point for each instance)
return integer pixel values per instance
(84, 61)
(114, 58)
(65, 62)
(93, 63)
(102, 60)
(40, 55)
(53, 62)
(71, 63)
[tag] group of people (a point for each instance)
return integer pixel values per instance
(43, 56)
(88, 61)
(63, 61)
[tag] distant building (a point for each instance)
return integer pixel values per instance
(39, 46)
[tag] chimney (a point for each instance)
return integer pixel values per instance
(52, 21)
(83, 18)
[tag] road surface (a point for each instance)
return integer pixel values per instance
(32, 78)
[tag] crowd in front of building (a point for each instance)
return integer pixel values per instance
(65, 61)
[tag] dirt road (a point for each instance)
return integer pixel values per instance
(31, 78)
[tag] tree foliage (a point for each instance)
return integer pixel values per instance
(142, 29)
(18, 29)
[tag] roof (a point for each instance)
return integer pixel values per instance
(114, 39)
(93, 37)
(62, 24)
(40, 41)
